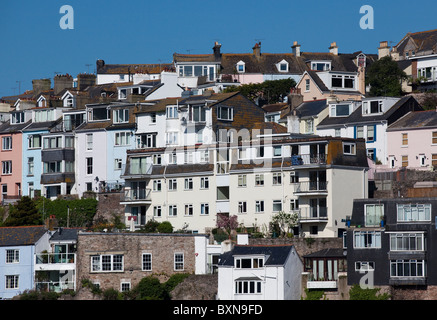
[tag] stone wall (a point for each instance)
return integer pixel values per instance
(132, 246)
(109, 206)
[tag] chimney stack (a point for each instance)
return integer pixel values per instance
(62, 82)
(333, 48)
(296, 49)
(216, 50)
(257, 49)
(383, 49)
(40, 85)
(85, 80)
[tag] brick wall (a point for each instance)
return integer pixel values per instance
(132, 246)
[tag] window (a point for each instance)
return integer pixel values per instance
(294, 177)
(434, 160)
(30, 166)
(172, 158)
(367, 239)
(277, 179)
(339, 110)
(372, 107)
(89, 141)
(242, 180)
(242, 207)
(118, 164)
(52, 167)
(337, 81)
(146, 141)
(241, 67)
(147, 262)
(349, 148)
(153, 117)
(52, 142)
(125, 286)
(172, 112)
(69, 166)
(407, 241)
(277, 151)
(139, 165)
(364, 266)
(98, 114)
(12, 256)
(178, 261)
(373, 214)
(249, 263)
(320, 66)
(157, 211)
(69, 142)
(204, 209)
(407, 268)
(122, 138)
(259, 206)
(44, 115)
(277, 205)
(198, 114)
(121, 116)
(283, 67)
(34, 141)
(172, 211)
(157, 185)
(107, 263)
(294, 204)
(188, 157)
(188, 184)
(259, 179)
(17, 117)
(204, 183)
(405, 139)
(307, 85)
(248, 286)
(7, 143)
(89, 165)
(172, 184)
(370, 133)
(171, 138)
(434, 137)
(404, 161)
(413, 212)
(11, 282)
(7, 167)
(225, 113)
(259, 152)
(309, 126)
(188, 209)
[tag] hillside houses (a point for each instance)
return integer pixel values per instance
(171, 144)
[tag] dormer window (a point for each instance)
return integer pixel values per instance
(121, 116)
(44, 115)
(340, 110)
(98, 114)
(372, 107)
(249, 262)
(42, 102)
(282, 66)
(321, 65)
(17, 117)
(241, 67)
(68, 100)
(343, 81)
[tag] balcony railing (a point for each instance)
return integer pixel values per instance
(313, 213)
(138, 194)
(55, 258)
(308, 159)
(54, 286)
(311, 186)
(222, 167)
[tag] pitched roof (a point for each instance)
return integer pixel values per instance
(7, 127)
(21, 236)
(65, 234)
(276, 255)
(132, 68)
(415, 120)
(425, 41)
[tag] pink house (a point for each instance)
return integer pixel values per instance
(11, 157)
(412, 141)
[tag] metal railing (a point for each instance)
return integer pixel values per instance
(54, 286)
(308, 159)
(313, 213)
(137, 194)
(54, 258)
(311, 186)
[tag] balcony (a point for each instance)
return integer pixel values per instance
(308, 159)
(55, 261)
(137, 196)
(222, 167)
(312, 188)
(313, 214)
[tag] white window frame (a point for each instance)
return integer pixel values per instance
(146, 264)
(121, 116)
(7, 143)
(6, 167)
(179, 261)
(259, 206)
(97, 263)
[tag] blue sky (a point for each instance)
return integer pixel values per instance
(142, 31)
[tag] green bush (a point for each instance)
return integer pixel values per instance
(358, 293)
(165, 227)
(150, 288)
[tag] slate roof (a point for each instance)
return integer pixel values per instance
(65, 234)
(415, 119)
(358, 117)
(424, 41)
(7, 127)
(276, 255)
(327, 253)
(21, 236)
(132, 68)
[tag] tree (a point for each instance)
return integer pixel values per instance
(385, 78)
(272, 91)
(283, 222)
(226, 222)
(150, 288)
(24, 213)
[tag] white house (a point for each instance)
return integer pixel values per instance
(260, 273)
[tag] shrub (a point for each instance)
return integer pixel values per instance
(150, 288)
(165, 227)
(358, 293)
